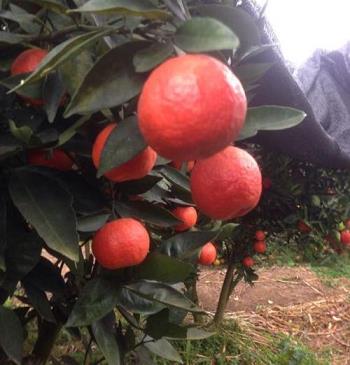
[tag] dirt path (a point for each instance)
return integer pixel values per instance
(286, 300)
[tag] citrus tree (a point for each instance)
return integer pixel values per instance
(105, 106)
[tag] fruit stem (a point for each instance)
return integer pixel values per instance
(226, 291)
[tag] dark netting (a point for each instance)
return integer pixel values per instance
(321, 88)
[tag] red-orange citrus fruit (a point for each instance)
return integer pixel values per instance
(248, 261)
(188, 216)
(26, 62)
(191, 107)
(345, 237)
(208, 254)
(226, 185)
(136, 168)
(260, 235)
(56, 159)
(121, 243)
(260, 247)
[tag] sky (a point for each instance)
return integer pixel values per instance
(305, 25)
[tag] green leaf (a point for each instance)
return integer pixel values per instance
(13, 38)
(11, 335)
(140, 186)
(176, 178)
(23, 134)
(150, 213)
(250, 73)
(164, 294)
(143, 8)
(164, 349)
(28, 22)
(39, 301)
(53, 92)
(104, 333)
(238, 20)
(70, 132)
(124, 143)
(112, 81)
(48, 207)
(54, 5)
(97, 299)
(33, 90)
(270, 117)
(186, 245)
(92, 223)
(205, 35)
(226, 231)
(163, 268)
(148, 58)
(59, 54)
(3, 232)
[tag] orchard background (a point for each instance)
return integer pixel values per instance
(91, 61)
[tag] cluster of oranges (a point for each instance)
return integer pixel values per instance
(191, 108)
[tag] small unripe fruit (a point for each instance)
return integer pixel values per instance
(341, 226)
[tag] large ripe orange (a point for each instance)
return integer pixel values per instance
(56, 159)
(121, 243)
(191, 107)
(26, 62)
(226, 185)
(188, 216)
(208, 254)
(136, 168)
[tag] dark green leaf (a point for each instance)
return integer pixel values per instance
(148, 212)
(140, 186)
(92, 223)
(28, 22)
(176, 178)
(104, 333)
(53, 92)
(226, 231)
(142, 8)
(112, 81)
(54, 5)
(39, 301)
(11, 335)
(23, 134)
(3, 232)
(59, 54)
(270, 118)
(254, 51)
(164, 349)
(250, 73)
(48, 207)
(185, 245)
(241, 23)
(71, 131)
(130, 301)
(164, 294)
(12, 38)
(33, 90)
(124, 143)
(205, 35)
(148, 58)
(96, 300)
(164, 268)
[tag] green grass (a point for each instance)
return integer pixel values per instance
(231, 346)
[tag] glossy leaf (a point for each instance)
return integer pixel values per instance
(164, 294)
(96, 300)
(104, 333)
(147, 212)
(143, 8)
(23, 134)
(11, 335)
(251, 73)
(205, 35)
(60, 54)
(164, 349)
(54, 5)
(53, 92)
(3, 232)
(185, 245)
(112, 81)
(148, 58)
(176, 177)
(163, 268)
(92, 223)
(12, 38)
(270, 118)
(48, 207)
(124, 143)
(140, 186)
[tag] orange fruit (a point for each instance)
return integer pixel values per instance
(57, 159)
(191, 107)
(345, 237)
(260, 235)
(188, 215)
(226, 185)
(121, 243)
(260, 247)
(178, 164)
(136, 168)
(208, 254)
(26, 62)
(248, 261)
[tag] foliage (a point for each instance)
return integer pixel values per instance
(100, 53)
